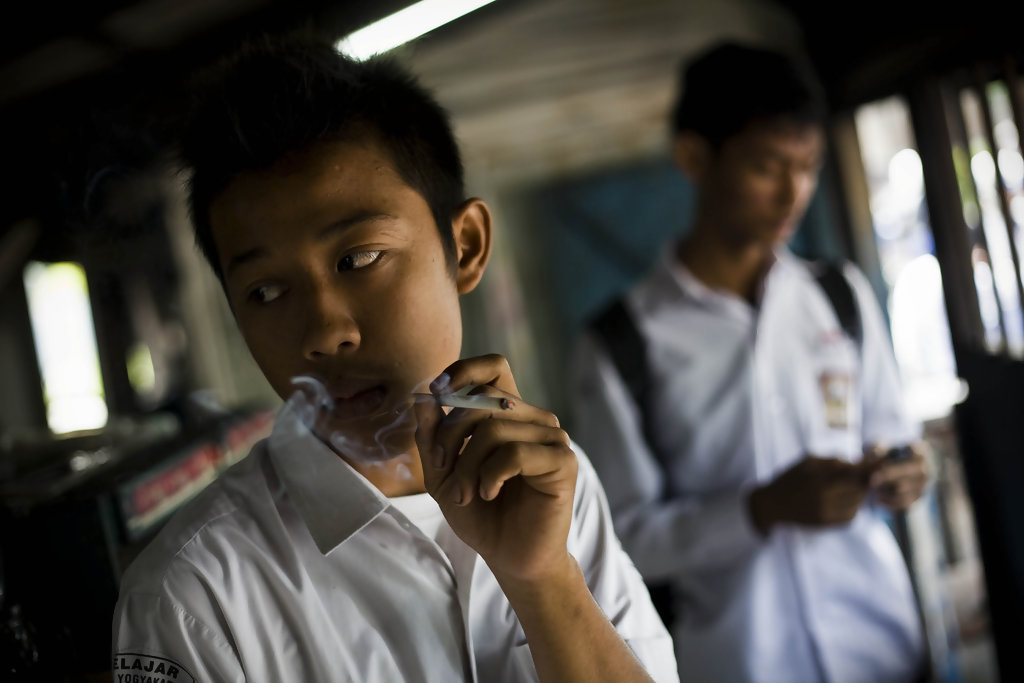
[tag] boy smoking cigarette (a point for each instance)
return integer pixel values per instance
(370, 538)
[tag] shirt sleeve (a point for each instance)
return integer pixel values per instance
(664, 536)
(613, 578)
(884, 415)
(152, 636)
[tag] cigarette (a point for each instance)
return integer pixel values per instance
(480, 401)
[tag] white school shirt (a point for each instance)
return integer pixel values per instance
(293, 567)
(739, 395)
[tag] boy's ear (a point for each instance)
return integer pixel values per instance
(691, 153)
(472, 229)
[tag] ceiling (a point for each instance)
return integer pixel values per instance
(535, 86)
(54, 45)
(51, 45)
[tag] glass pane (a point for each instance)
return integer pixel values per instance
(995, 273)
(906, 251)
(65, 341)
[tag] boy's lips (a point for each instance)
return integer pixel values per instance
(351, 405)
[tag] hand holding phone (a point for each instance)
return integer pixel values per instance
(902, 478)
(899, 454)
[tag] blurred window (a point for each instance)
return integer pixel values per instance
(993, 210)
(65, 342)
(906, 252)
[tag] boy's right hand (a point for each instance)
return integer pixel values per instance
(813, 492)
(900, 480)
(504, 479)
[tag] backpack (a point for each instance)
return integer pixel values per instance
(616, 329)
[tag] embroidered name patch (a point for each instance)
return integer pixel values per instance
(835, 392)
(130, 667)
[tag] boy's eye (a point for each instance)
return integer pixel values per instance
(266, 293)
(766, 166)
(359, 259)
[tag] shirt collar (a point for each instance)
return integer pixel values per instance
(333, 499)
(686, 283)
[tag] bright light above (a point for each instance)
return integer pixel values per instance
(405, 25)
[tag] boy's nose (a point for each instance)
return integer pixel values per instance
(330, 326)
(787, 189)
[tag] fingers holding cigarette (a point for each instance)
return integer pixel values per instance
(472, 403)
(501, 450)
(471, 391)
(491, 370)
(464, 399)
(486, 383)
(472, 452)
(502, 470)
(469, 410)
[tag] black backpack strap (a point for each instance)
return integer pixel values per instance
(617, 330)
(626, 345)
(839, 291)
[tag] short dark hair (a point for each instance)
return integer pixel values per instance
(728, 86)
(276, 96)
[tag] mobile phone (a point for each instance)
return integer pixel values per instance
(898, 454)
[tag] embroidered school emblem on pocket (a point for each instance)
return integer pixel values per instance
(835, 393)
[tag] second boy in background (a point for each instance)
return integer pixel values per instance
(750, 482)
